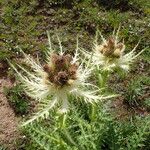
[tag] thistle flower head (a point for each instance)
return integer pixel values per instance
(60, 71)
(111, 48)
(110, 53)
(51, 84)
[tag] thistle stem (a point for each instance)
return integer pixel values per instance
(102, 79)
(105, 76)
(93, 112)
(62, 120)
(68, 137)
(64, 130)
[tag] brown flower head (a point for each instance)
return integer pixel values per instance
(61, 69)
(110, 55)
(112, 48)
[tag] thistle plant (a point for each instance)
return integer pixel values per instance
(59, 78)
(110, 54)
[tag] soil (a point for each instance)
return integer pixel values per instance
(8, 121)
(122, 111)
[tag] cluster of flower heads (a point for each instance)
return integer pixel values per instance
(61, 71)
(111, 48)
(63, 75)
(109, 55)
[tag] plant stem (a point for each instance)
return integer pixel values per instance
(62, 120)
(68, 137)
(64, 130)
(102, 79)
(105, 75)
(93, 112)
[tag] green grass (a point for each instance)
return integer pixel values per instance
(136, 88)
(17, 99)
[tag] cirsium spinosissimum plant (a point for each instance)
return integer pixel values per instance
(52, 84)
(109, 55)
(64, 75)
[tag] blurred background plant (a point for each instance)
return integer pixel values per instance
(2, 148)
